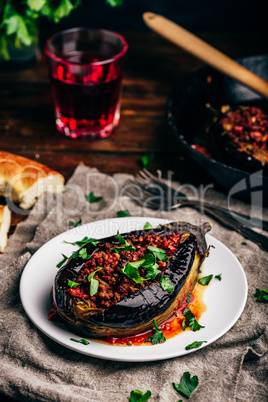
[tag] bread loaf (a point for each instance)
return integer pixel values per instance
(24, 180)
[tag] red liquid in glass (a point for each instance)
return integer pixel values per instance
(86, 100)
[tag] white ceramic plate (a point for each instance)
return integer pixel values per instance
(225, 299)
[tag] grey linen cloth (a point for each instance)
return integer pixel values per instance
(233, 368)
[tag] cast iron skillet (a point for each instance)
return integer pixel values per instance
(187, 116)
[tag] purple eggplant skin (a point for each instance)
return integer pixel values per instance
(136, 312)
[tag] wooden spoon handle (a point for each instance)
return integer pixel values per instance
(202, 50)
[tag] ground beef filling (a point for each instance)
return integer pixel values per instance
(113, 284)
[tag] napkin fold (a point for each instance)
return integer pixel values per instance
(35, 368)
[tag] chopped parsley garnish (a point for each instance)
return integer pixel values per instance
(83, 242)
(166, 285)
(157, 336)
(147, 160)
(189, 297)
(147, 226)
(94, 283)
(184, 324)
(219, 277)
(195, 344)
(73, 284)
(147, 262)
(125, 246)
(191, 320)
(92, 198)
(131, 270)
(261, 295)
(187, 384)
(244, 243)
(138, 396)
(81, 254)
(62, 261)
(23, 364)
(83, 340)
(123, 213)
(205, 280)
(73, 224)
(158, 253)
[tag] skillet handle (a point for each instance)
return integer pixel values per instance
(205, 52)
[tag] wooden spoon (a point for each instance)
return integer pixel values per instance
(197, 47)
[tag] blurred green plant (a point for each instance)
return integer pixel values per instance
(19, 20)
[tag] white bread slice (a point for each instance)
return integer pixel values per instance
(24, 180)
(5, 220)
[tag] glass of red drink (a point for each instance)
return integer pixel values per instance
(86, 68)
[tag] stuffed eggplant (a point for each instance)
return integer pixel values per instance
(118, 285)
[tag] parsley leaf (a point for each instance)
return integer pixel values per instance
(219, 277)
(83, 242)
(187, 384)
(151, 271)
(92, 198)
(125, 246)
(244, 243)
(94, 283)
(83, 340)
(114, 3)
(166, 285)
(205, 280)
(191, 320)
(147, 160)
(123, 213)
(157, 336)
(73, 224)
(184, 324)
(147, 226)
(131, 270)
(73, 284)
(158, 253)
(195, 344)
(189, 297)
(261, 295)
(138, 396)
(81, 254)
(62, 261)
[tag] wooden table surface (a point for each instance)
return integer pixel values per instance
(153, 67)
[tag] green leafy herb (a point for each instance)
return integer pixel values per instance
(125, 246)
(147, 160)
(94, 283)
(73, 224)
(123, 213)
(189, 297)
(151, 271)
(184, 324)
(114, 3)
(157, 336)
(73, 284)
(23, 364)
(92, 198)
(83, 242)
(82, 253)
(195, 344)
(219, 277)
(244, 243)
(166, 285)
(191, 320)
(205, 280)
(19, 20)
(158, 253)
(131, 270)
(261, 295)
(147, 226)
(138, 396)
(83, 340)
(62, 261)
(187, 384)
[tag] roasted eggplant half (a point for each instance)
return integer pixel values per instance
(118, 285)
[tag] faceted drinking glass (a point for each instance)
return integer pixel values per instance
(86, 69)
